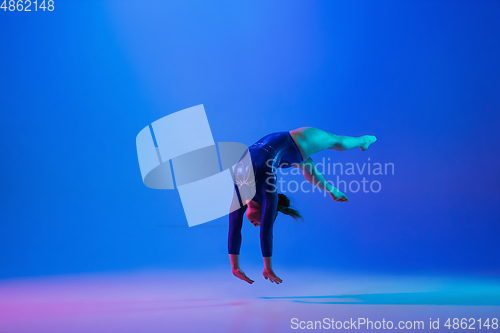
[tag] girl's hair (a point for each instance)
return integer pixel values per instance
(284, 207)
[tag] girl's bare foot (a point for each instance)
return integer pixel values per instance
(369, 139)
(338, 196)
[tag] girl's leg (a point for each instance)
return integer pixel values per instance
(315, 177)
(312, 140)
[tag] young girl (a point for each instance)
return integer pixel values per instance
(257, 188)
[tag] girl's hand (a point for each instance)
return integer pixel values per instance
(338, 196)
(269, 274)
(240, 275)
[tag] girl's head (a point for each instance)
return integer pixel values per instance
(254, 210)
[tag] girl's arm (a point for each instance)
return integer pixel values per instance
(268, 271)
(234, 240)
(235, 267)
(268, 214)
(234, 235)
(313, 176)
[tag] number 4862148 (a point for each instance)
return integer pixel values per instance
(27, 5)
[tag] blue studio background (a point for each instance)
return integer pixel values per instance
(78, 84)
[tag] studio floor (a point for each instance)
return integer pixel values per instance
(214, 301)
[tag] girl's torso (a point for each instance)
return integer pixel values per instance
(276, 150)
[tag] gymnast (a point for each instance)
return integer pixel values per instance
(256, 191)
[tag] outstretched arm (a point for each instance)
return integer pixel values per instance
(268, 272)
(269, 207)
(313, 176)
(235, 267)
(234, 235)
(234, 239)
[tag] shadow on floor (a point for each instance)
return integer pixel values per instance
(484, 298)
